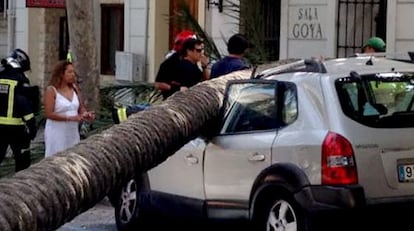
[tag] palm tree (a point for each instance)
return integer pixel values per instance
(56, 189)
(84, 49)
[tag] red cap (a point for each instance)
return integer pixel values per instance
(181, 37)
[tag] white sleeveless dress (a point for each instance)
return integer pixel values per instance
(60, 135)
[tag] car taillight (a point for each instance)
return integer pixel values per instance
(338, 162)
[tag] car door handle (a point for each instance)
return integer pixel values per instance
(191, 160)
(255, 157)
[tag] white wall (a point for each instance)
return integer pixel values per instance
(158, 36)
(3, 37)
(221, 26)
(22, 25)
(308, 28)
(136, 28)
(400, 32)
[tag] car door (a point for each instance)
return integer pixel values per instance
(235, 157)
(181, 174)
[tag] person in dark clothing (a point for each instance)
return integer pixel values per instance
(166, 79)
(236, 46)
(17, 121)
(18, 102)
(189, 71)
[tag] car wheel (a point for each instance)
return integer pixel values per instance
(280, 213)
(127, 210)
(113, 198)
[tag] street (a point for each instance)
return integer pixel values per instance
(99, 218)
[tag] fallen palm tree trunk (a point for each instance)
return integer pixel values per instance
(57, 189)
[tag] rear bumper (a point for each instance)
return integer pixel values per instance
(329, 206)
(321, 198)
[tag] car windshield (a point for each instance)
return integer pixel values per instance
(378, 100)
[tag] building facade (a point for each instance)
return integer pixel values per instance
(133, 36)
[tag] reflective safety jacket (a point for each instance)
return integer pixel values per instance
(122, 113)
(14, 108)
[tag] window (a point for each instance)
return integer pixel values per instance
(358, 20)
(251, 107)
(3, 5)
(260, 21)
(112, 36)
(378, 100)
(290, 103)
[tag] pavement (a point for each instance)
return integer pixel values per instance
(101, 217)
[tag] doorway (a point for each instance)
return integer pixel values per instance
(176, 26)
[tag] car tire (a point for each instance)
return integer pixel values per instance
(113, 198)
(279, 212)
(128, 212)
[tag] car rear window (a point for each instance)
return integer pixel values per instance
(382, 100)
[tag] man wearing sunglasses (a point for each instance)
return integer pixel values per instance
(166, 79)
(190, 72)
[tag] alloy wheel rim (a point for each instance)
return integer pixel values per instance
(281, 217)
(128, 201)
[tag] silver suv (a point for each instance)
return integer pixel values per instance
(295, 140)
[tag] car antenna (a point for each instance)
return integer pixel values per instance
(369, 62)
(411, 54)
(354, 74)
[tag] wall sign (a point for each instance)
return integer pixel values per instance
(307, 22)
(46, 3)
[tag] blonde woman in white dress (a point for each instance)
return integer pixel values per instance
(63, 110)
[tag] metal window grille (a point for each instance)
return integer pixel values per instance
(3, 6)
(260, 21)
(358, 20)
(271, 14)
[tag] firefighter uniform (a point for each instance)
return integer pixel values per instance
(120, 114)
(17, 121)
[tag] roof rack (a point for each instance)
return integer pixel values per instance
(374, 54)
(305, 65)
(399, 56)
(411, 54)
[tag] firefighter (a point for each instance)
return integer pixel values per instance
(17, 121)
(120, 114)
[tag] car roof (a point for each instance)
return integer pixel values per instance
(365, 65)
(338, 67)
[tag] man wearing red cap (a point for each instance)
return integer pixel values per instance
(179, 40)
(166, 79)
